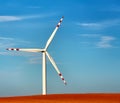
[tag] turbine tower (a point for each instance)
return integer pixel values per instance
(44, 54)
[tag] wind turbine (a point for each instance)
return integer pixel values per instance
(44, 54)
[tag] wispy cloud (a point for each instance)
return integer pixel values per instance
(6, 38)
(18, 18)
(89, 35)
(8, 42)
(9, 18)
(32, 57)
(89, 24)
(24, 17)
(97, 40)
(99, 25)
(35, 60)
(105, 42)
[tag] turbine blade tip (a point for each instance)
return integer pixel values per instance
(65, 83)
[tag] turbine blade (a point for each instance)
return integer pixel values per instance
(53, 34)
(25, 50)
(55, 66)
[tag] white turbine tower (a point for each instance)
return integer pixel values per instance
(44, 54)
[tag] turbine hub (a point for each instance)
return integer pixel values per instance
(43, 51)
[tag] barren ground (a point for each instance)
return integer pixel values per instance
(64, 98)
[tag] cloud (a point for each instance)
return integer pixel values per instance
(9, 18)
(105, 42)
(35, 60)
(99, 25)
(19, 18)
(30, 56)
(6, 42)
(89, 24)
(5, 38)
(97, 40)
(89, 35)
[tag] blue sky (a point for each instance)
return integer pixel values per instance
(86, 47)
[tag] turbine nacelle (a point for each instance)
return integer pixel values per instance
(43, 51)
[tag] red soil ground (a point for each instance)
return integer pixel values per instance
(64, 98)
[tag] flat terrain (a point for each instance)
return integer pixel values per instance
(64, 98)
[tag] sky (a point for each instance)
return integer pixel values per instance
(86, 47)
